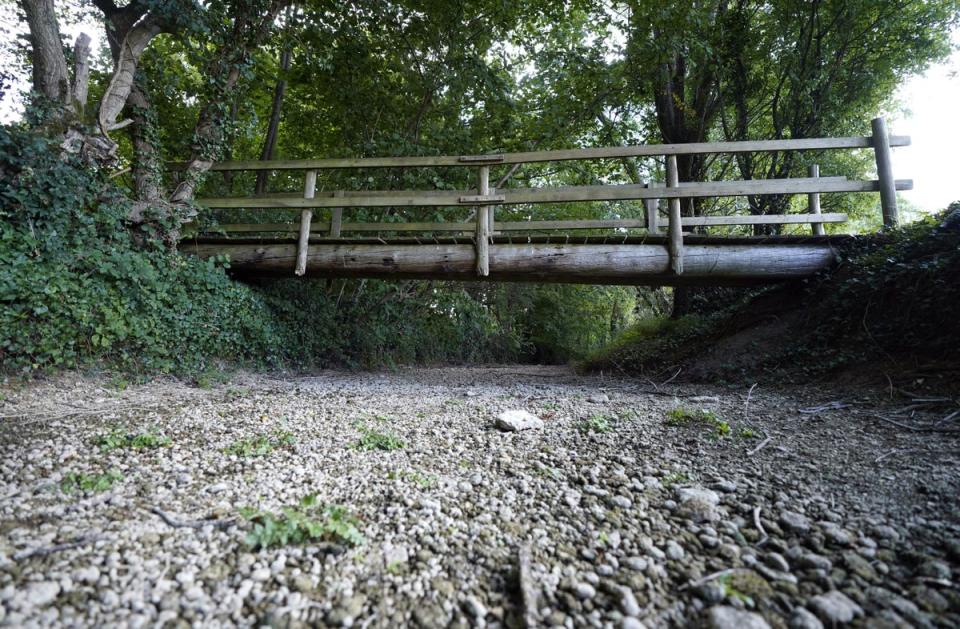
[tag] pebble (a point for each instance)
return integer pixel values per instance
(726, 617)
(42, 593)
(803, 619)
(584, 591)
(628, 602)
(795, 522)
(834, 608)
(674, 551)
(261, 575)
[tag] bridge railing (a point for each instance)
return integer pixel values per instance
(485, 198)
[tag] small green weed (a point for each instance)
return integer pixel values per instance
(395, 567)
(306, 522)
(681, 416)
(675, 478)
(747, 433)
(376, 440)
(418, 478)
(120, 438)
(78, 481)
(261, 445)
(596, 423)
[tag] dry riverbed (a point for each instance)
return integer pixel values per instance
(631, 506)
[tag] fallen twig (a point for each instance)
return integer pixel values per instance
(56, 548)
(710, 577)
(671, 378)
(894, 422)
(829, 406)
(195, 524)
(528, 593)
(759, 526)
(760, 446)
(81, 412)
(746, 405)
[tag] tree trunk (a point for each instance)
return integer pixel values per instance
(270, 142)
(50, 77)
(147, 166)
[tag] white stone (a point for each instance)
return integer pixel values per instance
(518, 419)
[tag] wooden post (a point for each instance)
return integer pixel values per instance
(813, 201)
(483, 224)
(652, 207)
(888, 190)
(675, 228)
(303, 243)
(336, 217)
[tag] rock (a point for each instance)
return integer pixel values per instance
(834, 608)
(704, 399)
(584, 591)
(936, 570)
(803, 619)
(344, 615)
(776, 561)
(218, 488)
(474, 607)
(631, 623)
(621, 501)
(89, 575)
(599, 398)
(794, 522)
(859, 566)
(518, 419)
(628, 602)
(725, 617)
(836, 535)
(882, 531)
(698, 504)
(261, 574)
(710, 593)
(636, 563)
(674, 551)
(813, 561)
(725, 486)
(42, 593)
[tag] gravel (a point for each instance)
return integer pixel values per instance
(632, 524)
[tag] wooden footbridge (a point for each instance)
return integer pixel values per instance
(615, 251)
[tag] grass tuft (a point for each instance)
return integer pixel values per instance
(78, 481)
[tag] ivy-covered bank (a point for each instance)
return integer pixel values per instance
(890, 306)
(76, 285)
(79, 286)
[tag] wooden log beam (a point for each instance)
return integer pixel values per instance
(566, 194)
(706, 264)
(888, 188)
(675, 225)
(482, 237)
(607, 152)
(306, 217)
(813, 202)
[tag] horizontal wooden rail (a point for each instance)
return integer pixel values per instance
(607, 152)
(515, 226)
(566, 194)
